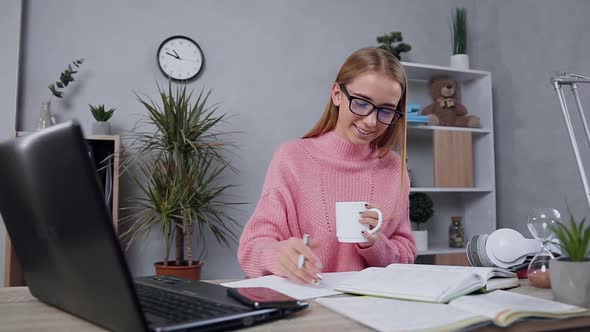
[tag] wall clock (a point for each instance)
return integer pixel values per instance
(180, 58)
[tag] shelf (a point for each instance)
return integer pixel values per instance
(90, 137)
(472, 130)
(437, 249)
(423, 72)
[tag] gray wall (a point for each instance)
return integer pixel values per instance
(523, 44)
(271, 63)
(10, 17)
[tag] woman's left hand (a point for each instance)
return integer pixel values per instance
(369, 218)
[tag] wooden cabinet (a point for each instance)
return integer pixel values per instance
(105, 150)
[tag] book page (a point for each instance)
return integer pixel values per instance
(430, 283)
(484, 272)
(506, 307)
(399, 315)
(294, 289)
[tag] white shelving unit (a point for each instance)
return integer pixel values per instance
(476, 205)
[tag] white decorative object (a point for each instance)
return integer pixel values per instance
(460, 61)
(421, 238)
(101, 128)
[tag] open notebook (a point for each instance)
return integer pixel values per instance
(428, 283)
(500, 308)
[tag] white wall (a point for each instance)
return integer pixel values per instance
(10, 17)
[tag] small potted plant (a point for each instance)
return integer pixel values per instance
(459, 59)
(46, 117)
(420, 212)
(388, 42)
(101, 126)
(570, 273)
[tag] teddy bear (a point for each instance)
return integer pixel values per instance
(446, 106)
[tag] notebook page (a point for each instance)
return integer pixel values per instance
(399, 315)
(294, 289)
(415, 282)
(502, 306)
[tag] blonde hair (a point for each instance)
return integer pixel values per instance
(362, 61)
(380, 61)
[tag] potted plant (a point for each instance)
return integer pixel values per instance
(570, 273)
(459, 59)
(101, 126)
(46, 117)
(420, 212)
(180, 163)
(388, 41)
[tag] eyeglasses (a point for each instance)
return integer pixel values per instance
(362, 107)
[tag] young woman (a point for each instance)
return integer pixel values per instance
(347, 156)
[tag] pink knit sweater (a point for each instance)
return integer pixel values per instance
(305, 179)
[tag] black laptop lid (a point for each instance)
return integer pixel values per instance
(61, 229)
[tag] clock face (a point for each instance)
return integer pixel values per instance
(180, 58)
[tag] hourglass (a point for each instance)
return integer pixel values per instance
(539, 224)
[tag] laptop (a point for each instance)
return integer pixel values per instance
(63, 236)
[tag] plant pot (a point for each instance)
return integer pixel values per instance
(421, 238)
(101, 128)
(192, 272)
(570, 281)
(460, 61)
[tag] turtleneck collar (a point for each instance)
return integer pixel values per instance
(338, 147)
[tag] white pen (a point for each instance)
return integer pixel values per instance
(301, 257)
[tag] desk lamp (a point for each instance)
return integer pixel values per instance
(572, 80)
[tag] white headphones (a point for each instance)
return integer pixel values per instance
(505, 247)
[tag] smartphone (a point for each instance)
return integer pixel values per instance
(265, 298)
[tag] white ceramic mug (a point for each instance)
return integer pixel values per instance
(348, 226)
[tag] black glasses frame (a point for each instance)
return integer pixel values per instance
(351, 98)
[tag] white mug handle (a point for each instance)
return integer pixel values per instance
(379, 220)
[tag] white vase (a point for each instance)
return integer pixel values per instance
(460, 61)
(421, 238)
(570, 281)
(101, 128)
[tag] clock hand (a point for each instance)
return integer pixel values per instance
(172, 55)
(191, 60)
(177, 56)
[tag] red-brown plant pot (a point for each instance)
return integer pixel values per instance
(192, 272)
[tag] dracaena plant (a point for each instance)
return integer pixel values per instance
(180, 167)
(100, 114)
(574, 239)
(65, 78)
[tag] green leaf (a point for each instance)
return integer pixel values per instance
(181, 163)
(65, 78)
(574, 239)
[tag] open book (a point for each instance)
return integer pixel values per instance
(499, 308)
(428, 283)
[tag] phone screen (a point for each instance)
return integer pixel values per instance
(262, 297)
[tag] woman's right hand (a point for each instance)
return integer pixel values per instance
(288, 259)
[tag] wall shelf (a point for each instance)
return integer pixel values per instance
(477, 204)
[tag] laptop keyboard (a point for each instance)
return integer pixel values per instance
(179, 308)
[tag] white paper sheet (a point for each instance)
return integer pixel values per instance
(294, 289)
